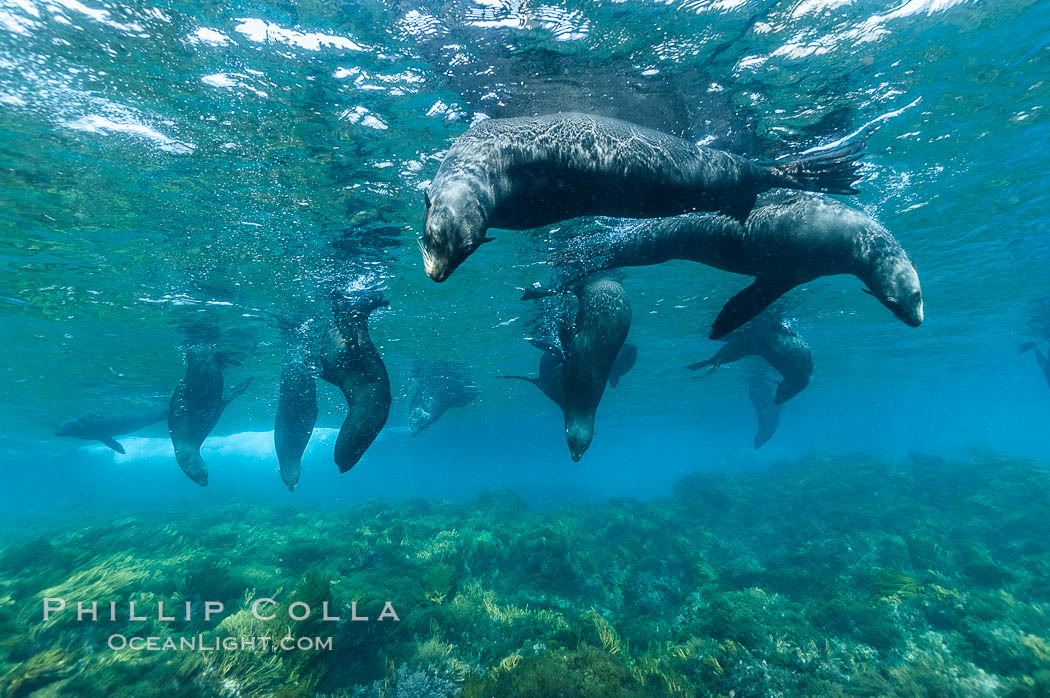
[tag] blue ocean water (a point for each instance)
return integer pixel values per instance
(174, 173)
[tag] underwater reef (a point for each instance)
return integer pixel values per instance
(832, 576)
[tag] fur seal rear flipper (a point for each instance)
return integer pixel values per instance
(1043, 360)
(296, 414)
(102, 427)
(527, 172)
(784, 243)
(196, 406)
(591, 338)
(350, 361)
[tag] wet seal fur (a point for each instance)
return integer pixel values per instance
(782, 349)
(350, 361)
(527, 172)
(783, 244)
(96, 426)
(439, 387)
(296, 413)
(196, 406)
(1040, 357)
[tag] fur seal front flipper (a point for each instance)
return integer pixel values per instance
(749, 303)
(296, 414)
(625, 361)
(113, 443)
(350, 361)
(1042, 359)
(549, 380)
(591, 339)
(761, 389)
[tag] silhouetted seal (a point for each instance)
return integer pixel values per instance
(527, 172)
(196, 406)
(762, 390)
(95, 426)
(1042, 359)
(350, 362)
(438, 388)
(296, 413)
(779, 346)
(783, 244)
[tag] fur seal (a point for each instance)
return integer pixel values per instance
(196, 406)
(351, 362)
(526, 172)
(103, 427)
(296, 413)
(762, 389)
(438, 388)
(1041, 359)
(590, 338)
(778, 345)
(782, 244)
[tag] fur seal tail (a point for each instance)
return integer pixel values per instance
(831, 171)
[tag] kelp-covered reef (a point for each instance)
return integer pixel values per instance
(832, 576)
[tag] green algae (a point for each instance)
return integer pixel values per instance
(831, 576)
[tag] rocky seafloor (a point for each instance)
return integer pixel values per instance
(832, 576)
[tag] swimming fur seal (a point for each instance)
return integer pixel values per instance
(548, 379)
(296, 413)
(439, 387)
(779, 346)
(103, 427)
(1042, 359)
(591, 338)
(527, 172)
(762, 389)
(351, 362)
(196, 406)
(783, 244)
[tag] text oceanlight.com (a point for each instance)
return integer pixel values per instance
(200, 643)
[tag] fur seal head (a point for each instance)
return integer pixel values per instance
(894, 282)
(454, 227)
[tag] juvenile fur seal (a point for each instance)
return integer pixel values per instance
(762, 389)
(783, 244)
(591, 338)
(296, 413)
(779, 346)
(103, 427)
(527, 172)
(1041, 359)
(351, 362)
(439, 387)
(196, 406)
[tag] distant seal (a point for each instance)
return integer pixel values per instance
(103, 427)
(438, 387)
(196, 406)
(527, 172)
(783, 244)
(591, 339)
(351, 362)
(296, 413)
(1041, 359)
(782, 349)
(762, 391)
